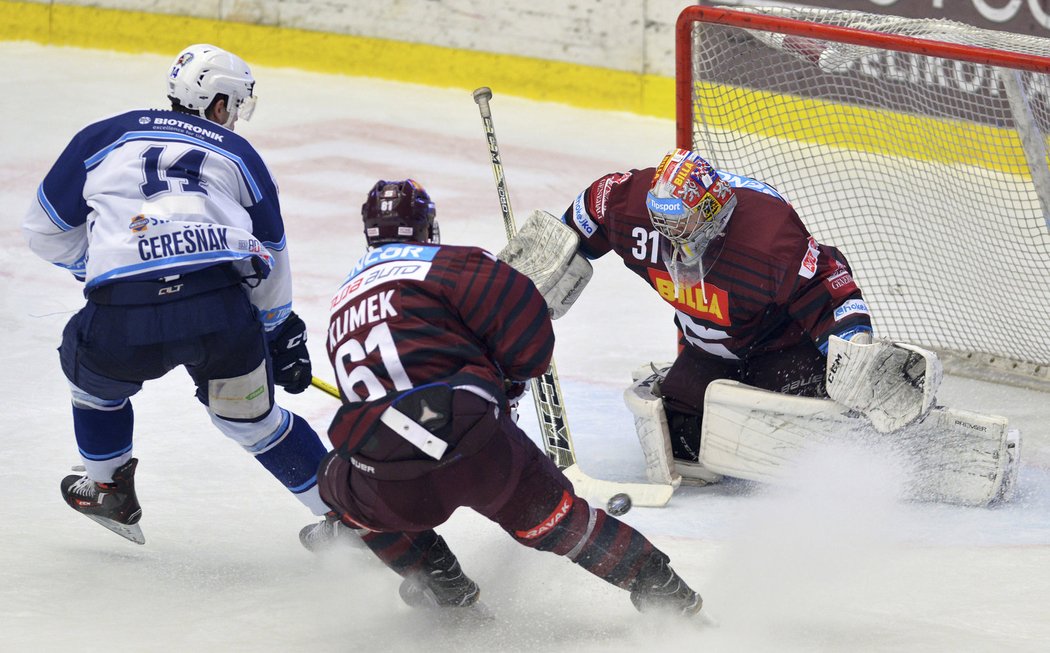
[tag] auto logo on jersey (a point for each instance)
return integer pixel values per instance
(706, 302)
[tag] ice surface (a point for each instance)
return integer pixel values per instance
(835, 564)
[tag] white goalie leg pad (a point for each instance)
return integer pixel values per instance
(892, 384)
(958, 456)
(953, 456)
(545, 250)
(758, 434)
(650, 421)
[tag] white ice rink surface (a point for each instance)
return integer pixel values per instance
(838, 564)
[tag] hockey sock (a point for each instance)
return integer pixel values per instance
(294, 460)
(104, 438)
(593, 539)
(402, 552)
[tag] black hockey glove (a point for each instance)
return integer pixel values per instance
(514, 390)
(291, 360)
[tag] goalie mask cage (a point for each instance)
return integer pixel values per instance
(918, 147)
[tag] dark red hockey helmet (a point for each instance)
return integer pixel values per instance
(398, 211)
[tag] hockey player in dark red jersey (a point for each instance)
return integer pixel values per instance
(425, 341)
(756, 297)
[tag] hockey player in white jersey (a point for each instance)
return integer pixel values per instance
(173, 224)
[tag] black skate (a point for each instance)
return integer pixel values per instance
(441, 584)
(114, 505)
(659, 589)
(329, 533)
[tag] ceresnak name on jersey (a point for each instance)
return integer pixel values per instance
(851, 307)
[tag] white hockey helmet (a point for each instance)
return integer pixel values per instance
(688, 202)
(202, 71)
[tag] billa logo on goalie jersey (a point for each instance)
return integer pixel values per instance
(714, 307)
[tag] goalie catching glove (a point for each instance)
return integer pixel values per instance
(892, 384)
(544, 250)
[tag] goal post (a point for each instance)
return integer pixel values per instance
(917, 146)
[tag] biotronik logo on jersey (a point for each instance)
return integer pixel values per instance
(175, 124)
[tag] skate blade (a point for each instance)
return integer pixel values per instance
(132, 532)
(704, 619)
(477, 613)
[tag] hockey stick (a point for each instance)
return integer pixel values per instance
(325, 386)
(546, 391)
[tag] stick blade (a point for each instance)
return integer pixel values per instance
(646, 495)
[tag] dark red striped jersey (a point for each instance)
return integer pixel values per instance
(410, 314)
(768, 283)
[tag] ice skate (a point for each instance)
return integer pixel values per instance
(113, 505)
(329, 533)
(441, 584)
(660, 589)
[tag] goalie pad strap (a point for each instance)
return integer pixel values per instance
(544, 249)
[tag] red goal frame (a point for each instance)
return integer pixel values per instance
(747, 20)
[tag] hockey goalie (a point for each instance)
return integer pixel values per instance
(777, 353)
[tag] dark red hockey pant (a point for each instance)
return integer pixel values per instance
(798, 370)
(505, 477)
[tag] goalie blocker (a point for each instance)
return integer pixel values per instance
(544, 250)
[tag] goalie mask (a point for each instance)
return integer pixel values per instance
(201, 73)
(399, 211)
(688, 202)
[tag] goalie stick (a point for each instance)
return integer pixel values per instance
(546, 391)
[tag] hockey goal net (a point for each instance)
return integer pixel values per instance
(918, 147)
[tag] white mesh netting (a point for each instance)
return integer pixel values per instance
(929, 172)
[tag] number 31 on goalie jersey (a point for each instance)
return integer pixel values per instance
(354, 351)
